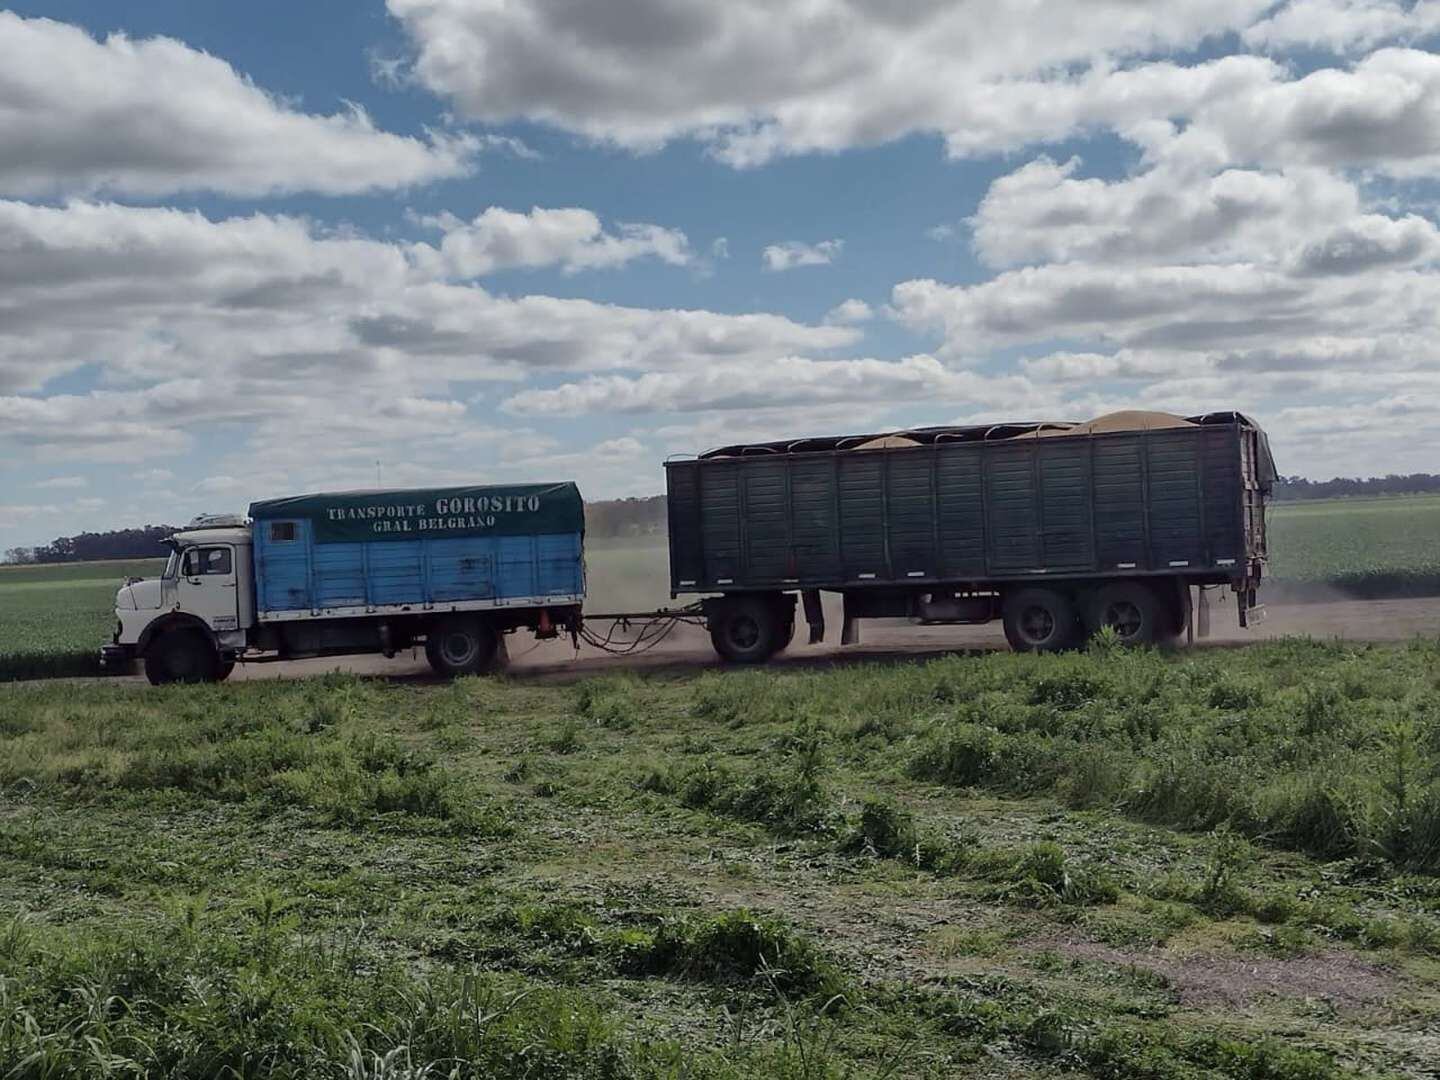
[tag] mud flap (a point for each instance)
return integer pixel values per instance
(850, 630)
(814, 615)
(1202, 614)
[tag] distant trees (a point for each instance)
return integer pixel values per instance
(1297, 487)
(611, 519)
(615, 518)
(141, 543)
(645, 517)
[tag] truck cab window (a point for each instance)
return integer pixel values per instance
(202, 561)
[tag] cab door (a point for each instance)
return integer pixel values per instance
(207, 586)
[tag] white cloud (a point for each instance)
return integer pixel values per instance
(197, 324)
(757, 78)
(849, 312)
(795, 253)
(1344, 25)
(790, 380)
(61, 483)
(1381, 115)
(571, 238)
(154, 116)
(1174, 213)
(1224, 306)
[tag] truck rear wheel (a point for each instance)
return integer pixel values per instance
(461, 646)
(181, 656)
(747, 630)
(1133, 611)
(1040, 620)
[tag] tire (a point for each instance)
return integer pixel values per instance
(1135, 612)
(181, 656)
(461, 646)
(1040, 620)
(746, 630)
(223, 672)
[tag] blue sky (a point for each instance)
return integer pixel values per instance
(256, 249)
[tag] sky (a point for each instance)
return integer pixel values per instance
(263, 249)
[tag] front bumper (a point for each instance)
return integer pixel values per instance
(117, 659)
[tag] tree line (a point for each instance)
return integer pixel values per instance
(610, 519)
(637, 518)
(1298, 487)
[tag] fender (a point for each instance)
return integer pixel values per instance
(174, 621)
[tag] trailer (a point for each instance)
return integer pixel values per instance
(1056, 529)
(453, 569)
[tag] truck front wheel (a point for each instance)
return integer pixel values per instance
(1040, 620)
(747, 630)
(461, 646)
(181, 656)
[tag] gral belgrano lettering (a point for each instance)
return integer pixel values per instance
(447, 514)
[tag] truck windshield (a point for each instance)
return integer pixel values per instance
(172, 566)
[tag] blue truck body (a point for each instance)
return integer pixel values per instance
(459, 549)
(294, 575)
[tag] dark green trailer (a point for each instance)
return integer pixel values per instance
(1058, 529)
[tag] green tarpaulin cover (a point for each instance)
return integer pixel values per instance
(495, 510)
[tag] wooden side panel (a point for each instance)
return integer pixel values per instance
(910, 514)
(765, 521)
(814, 520)
(1067, 537)
(960, 502)
(720, 522)
(1174, 468)
(1119, 469)
(862, 516)
(682, 502)
(1012, 498)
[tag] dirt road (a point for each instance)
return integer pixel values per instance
(688, 648)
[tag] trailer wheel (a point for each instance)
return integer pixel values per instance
(1133, 611)
(181, 656)
(1040, 620)
(461, 646)
(746, 630)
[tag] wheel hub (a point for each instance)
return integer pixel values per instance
(1037, 623)
(456, 648)
(1124, 618)
(744, 632)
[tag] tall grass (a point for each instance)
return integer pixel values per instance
(1344, 761)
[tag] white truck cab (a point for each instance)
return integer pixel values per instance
(191, 622)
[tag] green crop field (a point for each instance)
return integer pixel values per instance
(1363, 547)
(1107, 864)
(53, 619)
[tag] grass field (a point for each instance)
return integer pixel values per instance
(1361, 547)
(1113, 865)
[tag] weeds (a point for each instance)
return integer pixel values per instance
(736, 947)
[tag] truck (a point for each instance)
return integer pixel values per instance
(454, 569)
(1057, 529)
